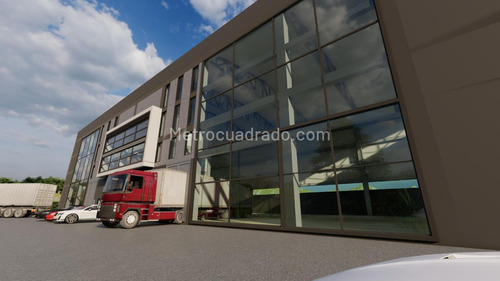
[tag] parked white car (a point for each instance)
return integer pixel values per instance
(88, 213)
(484, 266)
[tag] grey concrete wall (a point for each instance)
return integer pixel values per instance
(152, 99)
(444, 56)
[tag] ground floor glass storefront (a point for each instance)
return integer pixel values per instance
(360, 178)
(355, 172)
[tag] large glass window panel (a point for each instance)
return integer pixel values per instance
(140, 134)
(300, 91)
(192, 109)
(188, 148)
(130, 131)
(194, 79)
(142, 125)
(311, 200)
(215, 120)
(255, 201)
(138, 148)
(307, 149)
(213, 164)
(113, 165)
(376, 136)
(255, 105)
(218, 76)
(357, 72)
(128, 139)
(167, 94)
(175, 123)
(137, 157)
(254, 54)
(180, 83)
(171, 151)
(254, 158)
(211, 202)
(119, 136)
(295, 31)
(339, 17)
(383, 198)
(162, 123)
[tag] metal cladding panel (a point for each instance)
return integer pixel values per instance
(27, 194)
(171, 188)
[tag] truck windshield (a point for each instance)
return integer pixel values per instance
(115, 183)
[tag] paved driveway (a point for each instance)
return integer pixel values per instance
(37, 250)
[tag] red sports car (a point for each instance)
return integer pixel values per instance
(50, 216)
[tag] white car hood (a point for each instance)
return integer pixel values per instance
(484, 266)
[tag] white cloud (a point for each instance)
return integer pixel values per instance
(206, 29)
(165, 4)
(61, 63)
(218, 12)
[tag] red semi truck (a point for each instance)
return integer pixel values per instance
(132, 196)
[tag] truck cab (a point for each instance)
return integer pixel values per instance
(130, 186)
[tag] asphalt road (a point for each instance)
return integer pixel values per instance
(37, 250)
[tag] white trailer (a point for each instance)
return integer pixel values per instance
(171, 187)
(21, 199)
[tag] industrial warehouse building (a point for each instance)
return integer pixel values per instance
(347, 117)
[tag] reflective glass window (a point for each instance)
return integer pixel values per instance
(376, 136)
(307, 149)
(337, 18)
(311, 200)
(140, 134)
(130, 131)
(384, 198)
(255, 105)
(295, 32)
(177, 111)
(254, 158)
(218, 76)
(189, 144)
(357, 72)
(122, 158)
(194, 80)
(158, 153)
(255, 201)
(192, 110)
(166, 96)
(180, 83)
(215, 120)
(300, 91)
(128, 139)
(171, 152)
(211, 202)
(213, 164)
(254, 54)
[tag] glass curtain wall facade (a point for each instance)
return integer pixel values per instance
(83, 169)
(300, 127)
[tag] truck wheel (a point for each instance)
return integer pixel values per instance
(110, 224)
(179, 217)
(8, 213)
(19, 213)
(71, 218)
(130, 219)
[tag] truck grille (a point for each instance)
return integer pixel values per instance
(106, 212)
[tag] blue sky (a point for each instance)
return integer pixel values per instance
(65, 62)
(171, 25)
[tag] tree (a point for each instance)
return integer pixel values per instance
(6, 180)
